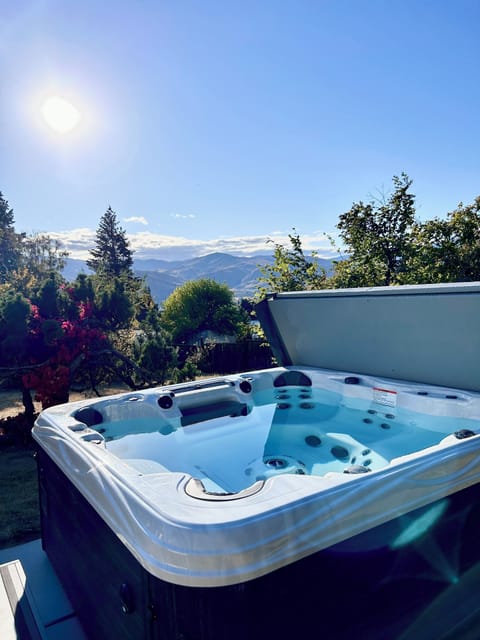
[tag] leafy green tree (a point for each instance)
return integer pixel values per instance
(291, 270)
(39, 257)
(465, 225)
(112, 255)
(434, 257)
(448, 250)
(199, 305)
(378, 239)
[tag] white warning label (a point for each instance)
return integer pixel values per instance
(386, 397)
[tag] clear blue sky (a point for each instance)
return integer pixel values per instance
(213, 123)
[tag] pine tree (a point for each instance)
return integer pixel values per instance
(112, 255)
(9, 241)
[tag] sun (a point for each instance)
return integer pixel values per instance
(60, 114)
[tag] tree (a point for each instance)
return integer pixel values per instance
(291, 270)
(113, 306)
(9, 242)
(48, 299)
(42, 343)
(448, 250)
(435, 256)
(112, 255)
(465, 233)
(14, 318)
(39, 257)
(200, 305)
(377, 238)
(62, 336)
(154, 350)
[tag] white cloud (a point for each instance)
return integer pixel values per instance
(182, 216)
(77, 242)
(137, 219)
(145, 244)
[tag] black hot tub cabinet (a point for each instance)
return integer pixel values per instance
(333, 495)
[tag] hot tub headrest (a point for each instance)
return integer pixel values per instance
(89, 416)
(292, 379)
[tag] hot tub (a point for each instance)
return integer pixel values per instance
(299, 499)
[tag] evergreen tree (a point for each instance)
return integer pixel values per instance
(112, 255)
(155, 353)
(114, 306)
(14, 317)
(9, 241)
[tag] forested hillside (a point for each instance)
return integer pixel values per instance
(162, 277)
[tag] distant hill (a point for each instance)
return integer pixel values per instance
(238, 273)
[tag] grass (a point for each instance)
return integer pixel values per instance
(19, 509)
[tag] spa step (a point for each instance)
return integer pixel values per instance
(33, 604)
(18, 617)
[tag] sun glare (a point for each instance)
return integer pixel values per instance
(60, 114)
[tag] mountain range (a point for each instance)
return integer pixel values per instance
(240, 274)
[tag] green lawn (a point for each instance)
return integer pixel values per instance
(19, 511)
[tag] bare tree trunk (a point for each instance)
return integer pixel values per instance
(27, 401)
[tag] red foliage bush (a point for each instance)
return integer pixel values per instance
(57, 348)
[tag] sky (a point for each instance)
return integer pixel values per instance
(215, 125)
